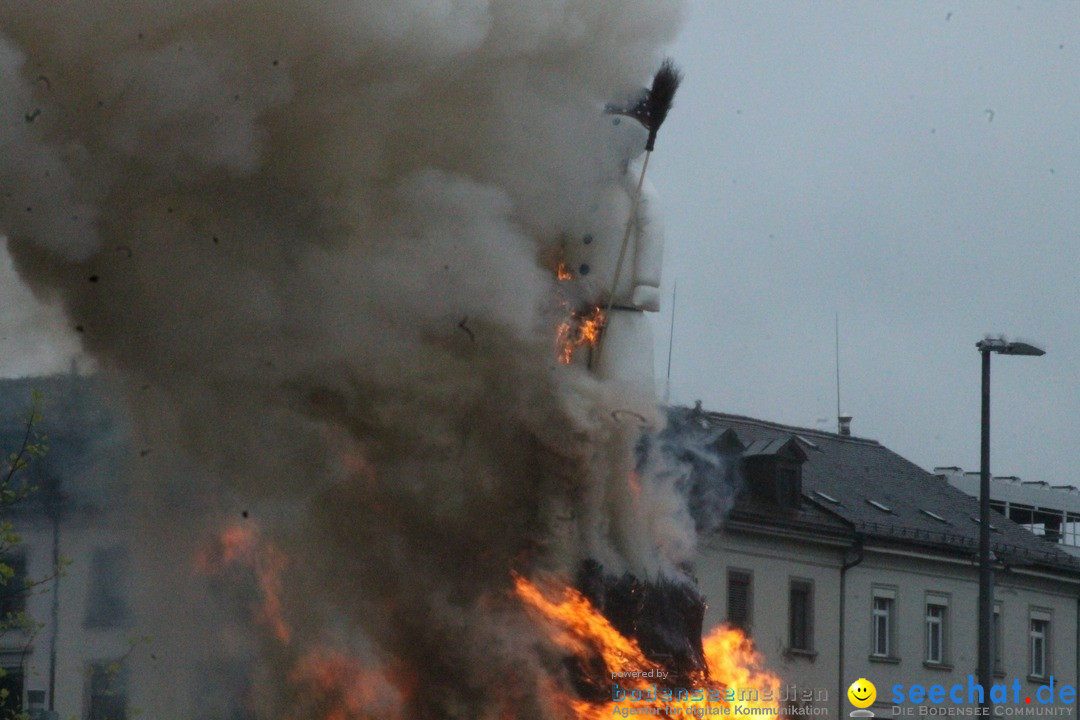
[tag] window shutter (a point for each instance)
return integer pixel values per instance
(739, 599)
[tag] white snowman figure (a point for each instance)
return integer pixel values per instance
(591, 255)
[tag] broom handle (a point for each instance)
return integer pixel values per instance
(622, 255)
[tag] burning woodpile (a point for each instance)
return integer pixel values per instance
(612, 671)
(664, 617)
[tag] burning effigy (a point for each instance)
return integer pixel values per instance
(315, 249)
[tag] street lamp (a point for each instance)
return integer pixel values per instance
(986, 570)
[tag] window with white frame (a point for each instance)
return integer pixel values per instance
(936, 614)
(107, 603)
(801, 615)
(1039, 646)
(883, 614)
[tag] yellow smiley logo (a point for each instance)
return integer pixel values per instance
(862, 693)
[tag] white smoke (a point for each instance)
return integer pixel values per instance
(313, 242)
(35, 331)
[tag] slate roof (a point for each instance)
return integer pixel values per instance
(808, 519)
(863, 477)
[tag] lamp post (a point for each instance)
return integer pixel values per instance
(986, 569)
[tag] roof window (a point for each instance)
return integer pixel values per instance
(826, 496)
(933, 515)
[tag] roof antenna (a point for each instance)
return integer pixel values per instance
(839, 422)
(670, 343)
(843, 422)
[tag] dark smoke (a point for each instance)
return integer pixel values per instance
(310, 241)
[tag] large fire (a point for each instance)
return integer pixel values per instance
(337, 686)
(734, 676)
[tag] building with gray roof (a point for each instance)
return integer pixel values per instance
(843, 560)
(1049, 511)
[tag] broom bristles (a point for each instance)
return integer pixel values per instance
(665, 83)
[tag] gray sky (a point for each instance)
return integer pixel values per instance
(913, 166)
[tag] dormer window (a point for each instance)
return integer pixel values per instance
(789, 484)
(773, 471)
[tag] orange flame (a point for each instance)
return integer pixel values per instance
(329, 684)
(563, 273)
(582, 329)
(734, 675)
(241, 544)
(339, 687)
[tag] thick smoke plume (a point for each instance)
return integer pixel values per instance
(313, 245)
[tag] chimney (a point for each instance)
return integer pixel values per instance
(844, 422)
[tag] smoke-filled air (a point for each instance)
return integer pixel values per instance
(313, 246)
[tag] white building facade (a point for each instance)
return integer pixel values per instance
(870, 571)
(73, 569)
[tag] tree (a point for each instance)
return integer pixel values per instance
(15, 584)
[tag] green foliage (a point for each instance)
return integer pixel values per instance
(34, 445)
(111, 679)
(14, 584)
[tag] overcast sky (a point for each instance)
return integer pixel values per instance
(914, 167)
